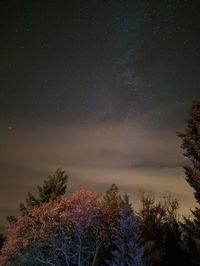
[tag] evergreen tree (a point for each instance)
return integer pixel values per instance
(112, 197)
(127, 251)
(112, 204)
(53, 187)
(191, 147)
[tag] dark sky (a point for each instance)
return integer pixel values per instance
(99, 88)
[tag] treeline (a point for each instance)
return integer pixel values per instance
(88, 229)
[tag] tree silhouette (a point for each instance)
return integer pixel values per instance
(191, 146)
(127, 234)
(53, 187)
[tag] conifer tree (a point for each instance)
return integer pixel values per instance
(112, 197)
(191, 147)
(53, 187)
(127, 251)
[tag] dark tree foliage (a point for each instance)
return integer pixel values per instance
(53, 187)
(112, 197)
(112, 202)
(11, 219)
(161, 232)
(191, 146)
(2, 240)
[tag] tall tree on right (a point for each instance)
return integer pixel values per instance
(191, 146)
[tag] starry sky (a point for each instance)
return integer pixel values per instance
(99, 88)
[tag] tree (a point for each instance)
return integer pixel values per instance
(54, 186)
(127, 250)
(65, 231)
(112, 204)
(76, 239)
(191, 147)
(112, 197)
(161, 232)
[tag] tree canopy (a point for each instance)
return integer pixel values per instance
(191, 147)
(54, 186)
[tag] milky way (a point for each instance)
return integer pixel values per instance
(99, 88)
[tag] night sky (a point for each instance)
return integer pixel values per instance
(99, 88)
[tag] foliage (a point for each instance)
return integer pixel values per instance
(191, 146)
(112, 197)
(65, 231)
(161, 233)
(112, 203)
(53, 187)
(127, 250)
(2, 240)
